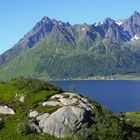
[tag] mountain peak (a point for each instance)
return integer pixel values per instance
(135, 17)
(109, 19)
(132, 24)
(45, 19)
(59, 32)
(109, 22)
(136, 13)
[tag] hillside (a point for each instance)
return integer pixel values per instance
(29, 107)
(57, 50)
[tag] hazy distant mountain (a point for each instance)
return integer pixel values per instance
(56, 49)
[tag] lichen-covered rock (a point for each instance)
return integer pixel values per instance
(68, 101)
(6, 110)
(57, 96)
(59, 122)
(51, 103)
(62, 95)
(33, 114)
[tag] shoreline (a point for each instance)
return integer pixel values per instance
(107, 78)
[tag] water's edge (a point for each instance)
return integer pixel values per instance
(117, 95)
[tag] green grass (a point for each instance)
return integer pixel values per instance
(15, 127)
(66, 96)
(47, 109)
(134, 118)
(39, 97)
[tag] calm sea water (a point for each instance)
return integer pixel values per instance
(118, 96)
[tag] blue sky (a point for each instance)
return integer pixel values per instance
(19, 16)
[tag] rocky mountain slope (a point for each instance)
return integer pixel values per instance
(31, 109)
(58, 50)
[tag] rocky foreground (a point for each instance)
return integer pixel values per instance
(73, 111)
(31, 109)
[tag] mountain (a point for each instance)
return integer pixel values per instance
(57, 50)
(31, 109)
(132, 24)
(113, 32)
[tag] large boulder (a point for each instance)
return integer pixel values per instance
(61, 122)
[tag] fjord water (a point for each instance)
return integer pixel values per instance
(118, 96)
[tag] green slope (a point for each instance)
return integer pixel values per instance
(64, 62)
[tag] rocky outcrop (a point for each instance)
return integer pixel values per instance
(73, 112)
(6, 110)
(73, 99)
(65, 118)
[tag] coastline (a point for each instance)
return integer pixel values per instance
(102, 78)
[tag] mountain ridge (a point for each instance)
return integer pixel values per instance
(106, 48)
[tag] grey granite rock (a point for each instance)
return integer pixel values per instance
(41, 119)
(6, 110)
(51, 103)
(33, 114)
(59, 122)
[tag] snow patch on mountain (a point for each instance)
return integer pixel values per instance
(83, 29)
(119, 22)
(135, 38)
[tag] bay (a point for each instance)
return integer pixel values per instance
(117, 96)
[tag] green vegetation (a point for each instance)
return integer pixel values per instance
(69, 62)
(66, 96)
(133, 118)
(72, 89)
(105, 125)
(46, 109)
(16, 127)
